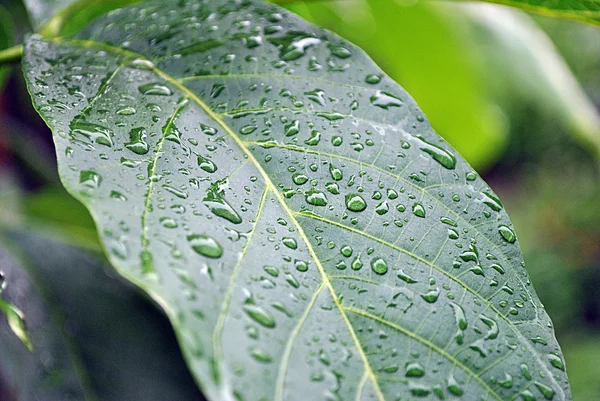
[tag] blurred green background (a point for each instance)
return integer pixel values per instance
(517, 95)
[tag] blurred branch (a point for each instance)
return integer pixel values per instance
(11, 55)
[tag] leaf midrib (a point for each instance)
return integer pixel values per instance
(270, 186)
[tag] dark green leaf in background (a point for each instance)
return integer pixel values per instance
(94, 337)
(290, 208)
(6, 38)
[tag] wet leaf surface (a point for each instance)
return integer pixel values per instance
(291, 209)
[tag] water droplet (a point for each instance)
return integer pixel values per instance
(205, 245)
(379, 266)
(260, 355)
(442, 156)
(382, 208)
(316, 198)
(346, 251)
(259, 315)
(301, 265)
(290, 242)
(331, 115)
(335, 172)
(168, 222)
(491, 201)
(90, 179)
(206, 164)
(248, 129)
(294, 45)
(315, 138)
(126, 111)
(216, 203)
(299, 179)
(355, 203)
(431, 296)
(385, 100)
(406, 278)
(454, 387)
(339, 51)
(88, 134)
(471, 176)
(418, 209)
(508, 234)
(556, 361)
(414, 369)
(155, 88)
(545, 390)
(461, 322)
(137, 141)
(207, 130)
(357, 263)
(373, 79)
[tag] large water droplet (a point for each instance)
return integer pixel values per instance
(491, 201)
(205, 245)
(385, 100)
(90, 179)
(414, 369)
(418, 209)
(137, 141)
(507, 233)
(442, 156)
(316, 198)
(215, 201)
(355, 203)
(431, 296)
(379, 266)
(259, 315)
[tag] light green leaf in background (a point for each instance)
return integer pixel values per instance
(14, 317)
(51, 17)
(523, 63)
(439, 65)
(6, 38)
(291, 209)
(94, 337)
(580, 10)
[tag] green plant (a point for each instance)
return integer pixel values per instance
(286, 204)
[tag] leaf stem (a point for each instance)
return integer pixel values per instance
(11, 55)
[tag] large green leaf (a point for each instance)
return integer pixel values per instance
(94, 337)
(291, 209)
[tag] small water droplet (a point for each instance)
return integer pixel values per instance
(155, 88)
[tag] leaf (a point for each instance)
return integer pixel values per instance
(290, 208)
(52, 17)
(15, 319)
(580, 10)
(6, 38)
(443, 60)
(526, 64)
(95, 338)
